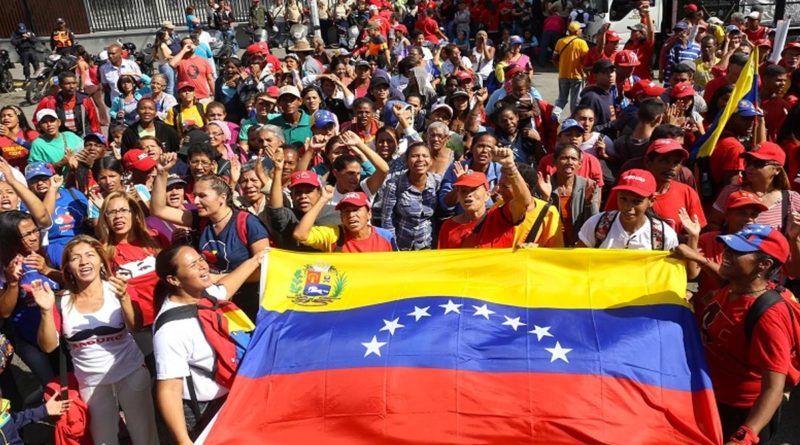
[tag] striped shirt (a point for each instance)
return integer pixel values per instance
(772, 217)
(678, 54)
(408, 212)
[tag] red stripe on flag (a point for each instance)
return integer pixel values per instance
(431, 406)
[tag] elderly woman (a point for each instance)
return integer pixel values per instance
(164, 101)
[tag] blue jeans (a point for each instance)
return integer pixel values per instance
(568, 89)
(43, 365)
(167, 70)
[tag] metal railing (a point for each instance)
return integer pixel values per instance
(123, 15)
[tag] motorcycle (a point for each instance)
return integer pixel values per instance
(6, 80)
(41, 84)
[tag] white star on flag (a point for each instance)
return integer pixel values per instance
(513, 322)
(419, 313)
(373, 346)
(558, 353)
(483, 311)
(451, 307)
(541, 332)
(391, 326)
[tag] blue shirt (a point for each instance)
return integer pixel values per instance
(408, 212)
(225, 252)
(26, 315)
(70, 211)
(678, 54)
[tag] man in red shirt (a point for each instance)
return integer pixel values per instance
(477, 226)
(753, 29)
(664, 159)
(775, 107)
(607, 43)
(75, 110)
(725, 162)
(193, 69)
(643, 42)
(429, 27)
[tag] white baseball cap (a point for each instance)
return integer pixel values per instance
(44, 112)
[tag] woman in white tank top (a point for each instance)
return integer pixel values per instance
(95, 318)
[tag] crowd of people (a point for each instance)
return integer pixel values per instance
(127, 197)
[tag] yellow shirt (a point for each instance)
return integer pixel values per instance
(323, 238)
(702, 74)
(188, 115)
(550, 233)
(571, 50)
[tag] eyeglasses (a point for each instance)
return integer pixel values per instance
(114, 212)
(28, 234)
(199, 163)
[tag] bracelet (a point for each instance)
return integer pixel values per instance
(744, 436)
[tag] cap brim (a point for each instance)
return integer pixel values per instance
(749, 113)
(683, 152)
(304, 181)
(761, 206)
(737, 243)
(573, 127)
(756, 155)
(634, 190)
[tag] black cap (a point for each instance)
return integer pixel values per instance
(378, 81)
(602, 65)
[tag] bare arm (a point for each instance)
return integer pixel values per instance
(303, 228)
(276, 190)
(773, 385)
(522, 195)
(234, 280)
(35, 206)
(375, 181)
(130, 313)
(10, 295)
(169, 395)
(158, 198)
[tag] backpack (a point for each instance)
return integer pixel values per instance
(607, 219)
(763, 303)
(226, 329)
(241, 225)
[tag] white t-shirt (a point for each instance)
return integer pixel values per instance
(180, 346)
(588, 146)
(618, 238)
(337, 195)
(103, 350)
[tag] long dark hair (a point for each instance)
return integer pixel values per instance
(166, 266)
(9, 233)
(24, 124)
(107, 163)
(713, 109)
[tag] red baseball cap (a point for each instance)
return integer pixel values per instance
(638, 181)
(758, 237)
(741, 198)
(767, 151)
(358, 199)
(273, 91)
(464, 75)
(691, 7)
(763, 42)
(402, 28)
(185, 84)
(472, 179)
(258, 48)
(612, 36)
(304, 177)
(626, 57)
(682, 89)
(137, 159)
(512, 70)
(667, 145)
(646, 87)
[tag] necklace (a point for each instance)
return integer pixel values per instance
(750, 291)
(223, 218)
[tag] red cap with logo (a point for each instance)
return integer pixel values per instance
(472, 179)
(665, 146)
(646, 87)
(767, 151)
(358, 199)
(637, 181)
(612, 36)
(304, 177)
(626, 57)
(681, 90)
(137, 159)
(741, 198)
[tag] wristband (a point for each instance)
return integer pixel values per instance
(744, 436)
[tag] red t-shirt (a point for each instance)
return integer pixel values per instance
(725, 158)
(592, 57)
(590, 167)
(140, 262)
(497, 230)
(491, 20)
(644, 51)
(711, 249)
(758, 34)
(792, 149)
(735, 366)
(14, 153)
(195, 70)
(666, 205)
(429, 29)
(375, 243)
(505, 8)
(775, 112)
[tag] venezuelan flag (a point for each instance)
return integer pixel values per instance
(539, 346)
(746, 88)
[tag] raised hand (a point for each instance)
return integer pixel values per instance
(481, 95)
(5, 169)
(459, 169)
(327, 193)
(56, 181)
(504, 156)
(43, 295)
(119, 285)
(166, 161)
(691, 225)
(544, 184)
(350, 139)
(95, 197)
(35, 262)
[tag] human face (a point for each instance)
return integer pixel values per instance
(289, 105)
(355, 218)
(84, 263)
(69, 86)
(336, 151)
(363, 113)
(585, 117)
(119, 217)
(146, 110)
(632, 207)
(157, 85)
(741, 125)
(738, 265)
(363, 72)
(114, 55)
(737, 218)
(39, 185)
(215, 135)
(175, 196)
(126, 85)
(49, 126)
(572, 137)
(250, 185)
(30, 235)
(709, 48)
(436, 138)
(776, 83)
(568, 163)
(151, 148)
(290, 63)
(381, 92)
(665, 167)
(791, 57)
(231, 70)
(304, 196)
(109, 181)
(200, 164)
(734, 39)
(482, 153)
(263, 107)
(508, 121)
(758, 172)
(610, 47)
(312, 101)
(676, 78)
(215, 114)
(267, 140)
(192, 271)
(341, 71)
(472, 199)
(455, 55)
(418, 160)
(415, 103)
(9, 119)
(348, 178)
(606, 78)
(186, 95)
(682, 34)
(385, 145)
(207, 200)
